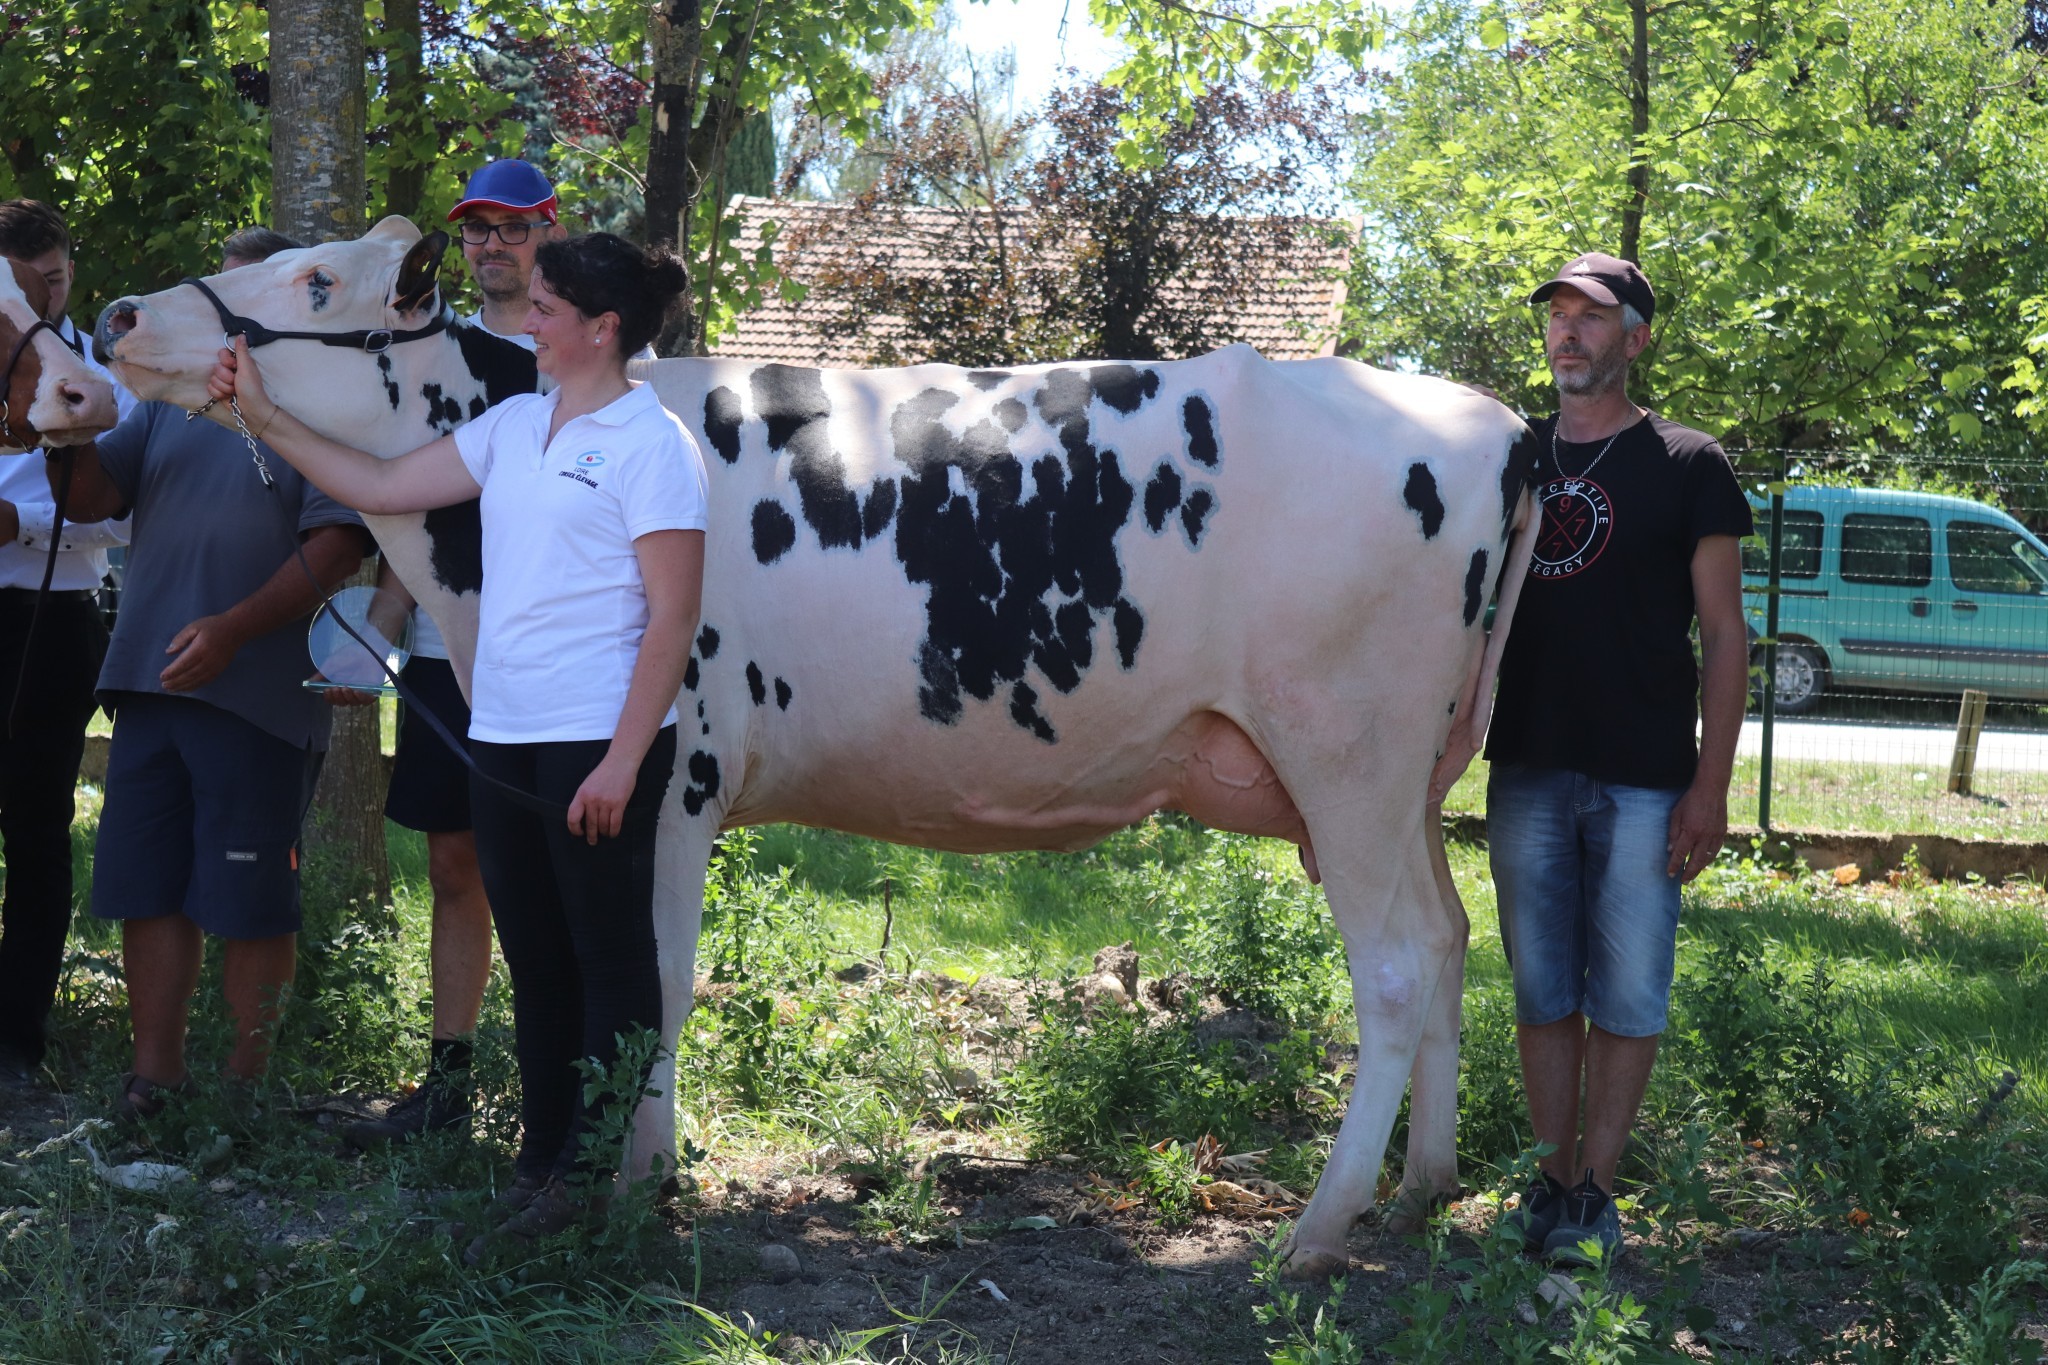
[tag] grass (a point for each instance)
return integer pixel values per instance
(1850, 1030)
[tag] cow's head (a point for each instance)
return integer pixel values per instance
(163, 345)
(51, 396)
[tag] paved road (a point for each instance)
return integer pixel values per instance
(1926, 748)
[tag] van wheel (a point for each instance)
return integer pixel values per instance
(1802, 678)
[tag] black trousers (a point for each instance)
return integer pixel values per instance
(576, 925)
(39, 757)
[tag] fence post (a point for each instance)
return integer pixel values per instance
(1770, 709)
(1962, 764)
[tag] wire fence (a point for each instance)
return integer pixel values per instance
(1899, 606)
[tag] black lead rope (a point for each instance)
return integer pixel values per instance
(518, 795)
(35, 618)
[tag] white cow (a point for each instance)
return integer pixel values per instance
(1016, 609)
(47, 394)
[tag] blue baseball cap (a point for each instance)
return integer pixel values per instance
(515, 185)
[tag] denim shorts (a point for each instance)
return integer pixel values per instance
(1587, 915)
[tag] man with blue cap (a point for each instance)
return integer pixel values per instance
(507, 210)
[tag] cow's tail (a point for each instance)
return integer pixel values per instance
(1520, 550)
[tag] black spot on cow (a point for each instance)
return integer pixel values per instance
(757, 686)
(703, 787)
(1162, 495)
(879, 509)
(504, 367)
(1124, 387)
(391, 393)
(700, 708)
(455, 540)
(774, 531)
(477, 406)
(1012, 414)
(1517, 474)
(444, 413)
(691, 676)
(1422, 498)
(1200, 425)
(1475, 586)
(722, 423)
(1024, 710)
(1454, 707)
(987, 379)
(792, 402)
(1130, 632)
(707, 643)
(782, 695)
(1194, 515)
(704, 730)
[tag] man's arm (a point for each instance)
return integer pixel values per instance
(1699, 824)
(93, 496)
(204, 649)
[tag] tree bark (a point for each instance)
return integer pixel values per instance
(675, 31)
(405, 105)
(317, 112)
(1639, 131)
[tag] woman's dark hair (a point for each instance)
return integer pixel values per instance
(600, 273)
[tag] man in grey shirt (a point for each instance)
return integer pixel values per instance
(215, 741)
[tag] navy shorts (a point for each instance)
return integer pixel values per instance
(201, 818)
(429, 784)
(1588, 916)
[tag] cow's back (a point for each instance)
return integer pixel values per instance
(986, 608)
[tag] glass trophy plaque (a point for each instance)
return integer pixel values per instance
(382, 640)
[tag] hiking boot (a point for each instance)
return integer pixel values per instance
(438, 1105)
(503, 1205)
(554, 1208)
(1537, 1214)
(1587, 1214)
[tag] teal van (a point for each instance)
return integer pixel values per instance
(1903, 592)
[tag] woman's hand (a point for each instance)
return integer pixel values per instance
(600, 804)
(237, 379)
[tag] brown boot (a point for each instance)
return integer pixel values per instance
(503, 1205)
(554, 1208)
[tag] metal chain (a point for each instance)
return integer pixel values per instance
(255, 453)
(1585, 473)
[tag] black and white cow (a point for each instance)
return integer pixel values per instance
(1020, 609)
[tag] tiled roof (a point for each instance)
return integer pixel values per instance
(1295, 316)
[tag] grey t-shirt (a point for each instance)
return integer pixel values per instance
(206, 534)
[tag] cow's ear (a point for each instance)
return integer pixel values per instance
(419, 274)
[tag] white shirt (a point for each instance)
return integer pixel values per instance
(81, 552)
(564, 607)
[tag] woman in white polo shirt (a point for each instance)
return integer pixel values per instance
(593, 555)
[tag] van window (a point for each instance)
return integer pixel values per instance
(1986, 557)
(1798, 556)
(1895, 551)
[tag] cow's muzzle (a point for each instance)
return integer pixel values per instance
(116, 321)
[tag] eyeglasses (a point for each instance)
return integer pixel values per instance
(511, 234)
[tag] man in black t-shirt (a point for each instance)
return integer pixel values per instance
(1599, 806)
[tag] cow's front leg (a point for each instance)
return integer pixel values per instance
(682, 852)
(1431, 1173)
(1397, 942)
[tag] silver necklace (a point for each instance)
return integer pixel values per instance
(1588, 470)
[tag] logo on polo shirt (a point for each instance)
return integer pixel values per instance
(588, 461)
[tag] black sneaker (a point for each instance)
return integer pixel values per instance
(436, 1106)
(1587, 1214)
(18, 1071)
(1536, 1215)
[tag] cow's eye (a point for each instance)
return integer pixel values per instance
(322, 280)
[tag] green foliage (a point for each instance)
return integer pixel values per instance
(1258, 938)
(1828, 200)
(1319, 1340)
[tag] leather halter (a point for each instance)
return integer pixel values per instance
(7, 375)
(374, 340)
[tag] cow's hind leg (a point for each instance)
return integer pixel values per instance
(1431, 1173)
(1399, 942)
(682, 851)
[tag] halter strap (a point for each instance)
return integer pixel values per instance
(13, 359)
(375, 340)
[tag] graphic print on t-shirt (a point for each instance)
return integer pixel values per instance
(1578, 521)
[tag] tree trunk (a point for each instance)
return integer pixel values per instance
(1639, 132)
(676, 33)
(317, 173)
(405, 105)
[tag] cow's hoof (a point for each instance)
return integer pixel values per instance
(1408, 1214)
(1314, 1267)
